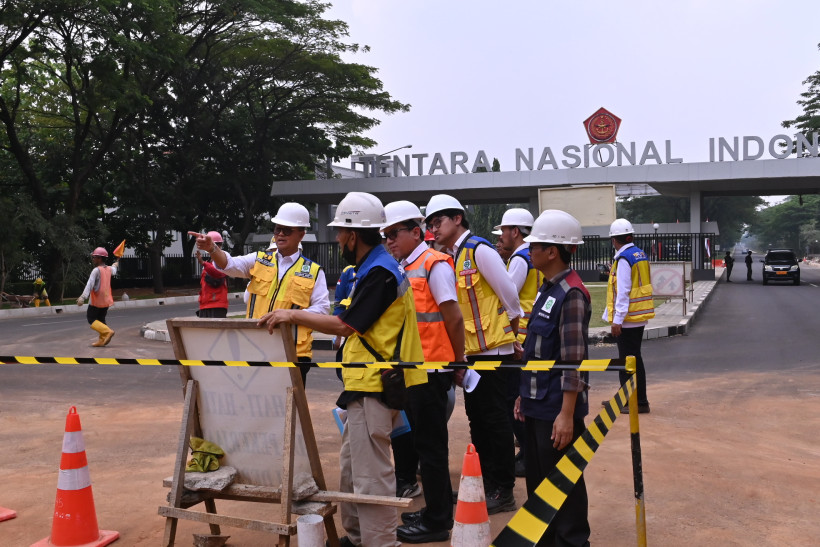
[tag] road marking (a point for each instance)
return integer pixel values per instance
(51, 322)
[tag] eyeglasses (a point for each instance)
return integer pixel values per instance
(284, 230)
(435, 224)
(393, 234)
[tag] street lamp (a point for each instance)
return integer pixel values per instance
(396, 149)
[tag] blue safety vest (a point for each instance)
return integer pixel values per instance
(541, 394)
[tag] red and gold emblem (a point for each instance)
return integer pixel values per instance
(602, 127)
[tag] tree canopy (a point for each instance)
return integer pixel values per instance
(133, 120)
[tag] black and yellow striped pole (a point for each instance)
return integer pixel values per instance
(637, 464)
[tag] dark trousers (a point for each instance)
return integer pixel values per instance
(748, 272)
(428, 444)
(728, 271)
(212, 313)
(93, 313)
(304, 369)
(629, 343)
(513, 389)
(570, 526)
(490, 427)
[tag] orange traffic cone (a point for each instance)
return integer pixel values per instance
(472, 523)
(7, 514)
(75, 520)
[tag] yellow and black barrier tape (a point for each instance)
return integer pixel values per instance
(531, 521)
(587, 365)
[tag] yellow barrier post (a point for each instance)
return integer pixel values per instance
(637, 465)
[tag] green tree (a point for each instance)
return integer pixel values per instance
(809, 120)
(124, 119)
(792, 223)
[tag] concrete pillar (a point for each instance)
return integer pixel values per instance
(533, 206)
(323, 233)
(694, 228)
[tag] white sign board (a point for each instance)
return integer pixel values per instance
(242, 409)
(592, 205)
(669, 278)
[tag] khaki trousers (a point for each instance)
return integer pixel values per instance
(367, 468)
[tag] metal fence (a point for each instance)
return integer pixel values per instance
(658, 247)
(596, 250)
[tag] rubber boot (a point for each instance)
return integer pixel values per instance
(36, 302)
(48, 302)
(106, 334)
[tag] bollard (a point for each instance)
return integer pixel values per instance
(310, 530)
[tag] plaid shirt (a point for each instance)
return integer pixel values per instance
(573, 328)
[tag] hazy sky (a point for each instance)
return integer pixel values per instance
(496, 76)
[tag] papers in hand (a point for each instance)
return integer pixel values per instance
(471, 379)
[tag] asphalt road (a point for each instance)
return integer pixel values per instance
(746, 326)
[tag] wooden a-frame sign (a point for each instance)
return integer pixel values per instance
(208, 412)
(242, 340)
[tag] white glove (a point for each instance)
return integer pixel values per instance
(80, 300)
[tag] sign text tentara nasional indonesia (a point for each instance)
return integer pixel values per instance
(598, 155)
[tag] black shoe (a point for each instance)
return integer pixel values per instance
(643, 408)
(418, 532)
(520, 468)
(411, 517)
(344, 541)
(500, 501)
(407, 490)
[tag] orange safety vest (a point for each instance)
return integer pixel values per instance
(435, 342)
(102, 298)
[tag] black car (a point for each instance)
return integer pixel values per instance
(781, 265)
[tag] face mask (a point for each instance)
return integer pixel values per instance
(348, 255)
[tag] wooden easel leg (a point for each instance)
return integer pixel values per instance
(287, 464)
(210, 506)
(188, 418)
(300, 400)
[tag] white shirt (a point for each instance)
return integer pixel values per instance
(240, 266)
(489, 263)
(94, 280)
(624, 279)
(518, 268)
(442, 280)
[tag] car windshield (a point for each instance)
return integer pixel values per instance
(780, 257)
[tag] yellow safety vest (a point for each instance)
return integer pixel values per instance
(486, 323)
(293, 292)
(528, 293)
(641, 304)
(394, 336)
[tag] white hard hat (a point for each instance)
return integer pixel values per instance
(293, 215)
(554, 226)
(359, 210)
(441, 202)
(496, 232)
(621, 227)
(400, 211)
(515, 217)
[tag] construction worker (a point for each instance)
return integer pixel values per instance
(441, 327)
(552, 404)
(40, 293)
(281, 279)
(489, 305)
(514, 227)
(629, 303)
(213, 286)
(499, 246)
(380, 325)
(99, 289)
